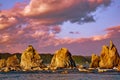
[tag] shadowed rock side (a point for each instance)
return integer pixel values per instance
(30, 59)
(95, 61)
(62, 59)
(109, 58)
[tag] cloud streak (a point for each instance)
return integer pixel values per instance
(44, 40)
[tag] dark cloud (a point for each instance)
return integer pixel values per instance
(72, 32)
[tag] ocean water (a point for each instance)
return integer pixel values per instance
(59, 76)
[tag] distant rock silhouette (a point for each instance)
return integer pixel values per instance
(109, 57)
(94, 61)
(62, 59)
(30, 59)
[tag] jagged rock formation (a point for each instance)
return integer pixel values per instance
(94, 61)
(62, 59)
(30, 59)
(109, 57)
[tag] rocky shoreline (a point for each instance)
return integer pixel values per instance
(65, 71)
(62, 62)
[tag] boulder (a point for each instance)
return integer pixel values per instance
(109, 57)
(94, 61)
(30, 59)
(62, 59)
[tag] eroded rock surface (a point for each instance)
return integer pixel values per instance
(13, 63)
(94, 61)
(30, 59)
(62, 59)
(109, 57)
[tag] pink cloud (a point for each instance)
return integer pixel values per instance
(45, 41)
(40, 12)
(11, 17)
(58, 11)
(56, 29)
(112, 32)
(6, 21)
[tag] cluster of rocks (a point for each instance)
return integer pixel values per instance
(108, 59)
(12, 63)
(31, 61)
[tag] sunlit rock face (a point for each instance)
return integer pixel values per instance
(30, 59)
(13, 63)
(62, 59)
(109, 57)
(94, 61)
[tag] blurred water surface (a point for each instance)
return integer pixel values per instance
(59, 76)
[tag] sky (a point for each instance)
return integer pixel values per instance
(82, 26)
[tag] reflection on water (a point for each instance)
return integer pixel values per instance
(59, 76)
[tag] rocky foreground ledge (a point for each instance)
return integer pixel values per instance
(62, 62)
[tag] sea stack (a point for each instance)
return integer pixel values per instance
(62, 59)
(109, 57)
(94, 61)
(30, 59)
